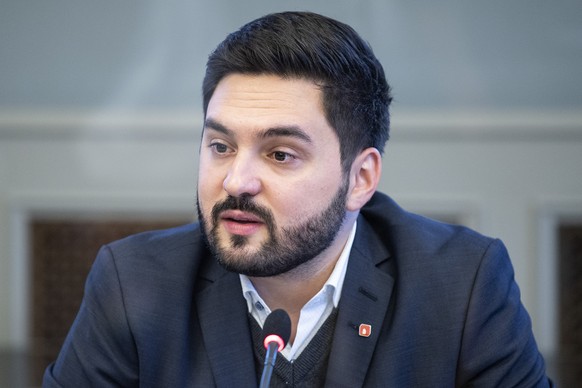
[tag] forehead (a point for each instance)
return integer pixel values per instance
(262, 101)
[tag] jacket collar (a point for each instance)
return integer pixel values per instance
(364, 300)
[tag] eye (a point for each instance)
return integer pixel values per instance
(282, 157)
(219, 148)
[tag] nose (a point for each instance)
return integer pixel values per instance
(242, 177)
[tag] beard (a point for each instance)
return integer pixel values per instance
(284, 249)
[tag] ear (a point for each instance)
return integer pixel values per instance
(364, 177)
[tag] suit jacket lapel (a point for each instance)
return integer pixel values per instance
(222, 312)
(364, 300)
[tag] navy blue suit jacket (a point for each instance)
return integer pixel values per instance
(442, 302)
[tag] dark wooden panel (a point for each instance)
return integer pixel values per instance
(570, 305)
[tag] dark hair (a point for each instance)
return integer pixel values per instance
(306, 45)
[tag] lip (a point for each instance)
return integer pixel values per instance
(240, 223)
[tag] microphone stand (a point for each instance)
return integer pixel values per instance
(270, 358)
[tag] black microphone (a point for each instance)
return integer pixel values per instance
(276, 333)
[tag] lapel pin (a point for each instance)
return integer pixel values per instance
(365, 330)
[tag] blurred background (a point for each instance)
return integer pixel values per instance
(100, 119)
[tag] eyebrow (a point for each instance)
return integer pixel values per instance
(215, 125)
(281, 131)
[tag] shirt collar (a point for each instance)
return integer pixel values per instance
(334, 283)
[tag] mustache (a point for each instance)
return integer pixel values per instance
(243, 203)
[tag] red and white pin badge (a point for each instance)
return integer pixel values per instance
(365, 330)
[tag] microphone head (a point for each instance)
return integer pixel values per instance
(277, 328)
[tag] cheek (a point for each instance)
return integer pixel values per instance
(304, 200)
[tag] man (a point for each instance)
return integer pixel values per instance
(295, 120)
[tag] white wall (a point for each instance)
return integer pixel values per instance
(100, 112)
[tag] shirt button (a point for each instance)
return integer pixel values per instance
(259, 306)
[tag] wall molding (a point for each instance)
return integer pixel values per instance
(407, 125)
(99, 125)
(487, 125)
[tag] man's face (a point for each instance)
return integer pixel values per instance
(271, 193)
